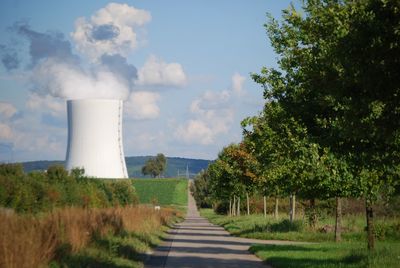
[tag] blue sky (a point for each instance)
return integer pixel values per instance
(181, 67)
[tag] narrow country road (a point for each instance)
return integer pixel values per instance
(197, 243)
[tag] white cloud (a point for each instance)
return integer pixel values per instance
(6, 132)
(7, 110)
(111, 30)
(69, 82)
(159, 73)
(195, 131)
(55, 107)
(35, 142)
(142, 105)
(210, 101)
(237, 84)
(30, 139)
(212, 116)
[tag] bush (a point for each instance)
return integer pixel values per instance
(43, 191)
(283, 226)
(387, 231)
(221, 208)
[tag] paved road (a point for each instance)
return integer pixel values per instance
(197, 243)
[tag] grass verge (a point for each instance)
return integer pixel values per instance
(326, 254)
(258, 227)
(77, 237)
(329, 255)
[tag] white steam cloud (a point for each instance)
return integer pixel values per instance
(69, 82)
(104, 40)
(111, 30)
(100, 71)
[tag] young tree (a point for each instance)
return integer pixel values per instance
(201, 189)
(291, 163)
(226, 178)
(244, 167)
(155, 166)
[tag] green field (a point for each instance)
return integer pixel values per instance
(162, 191)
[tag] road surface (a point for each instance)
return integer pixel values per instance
(196, 242)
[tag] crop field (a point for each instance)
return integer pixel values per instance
(162, 191)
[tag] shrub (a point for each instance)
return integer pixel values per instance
(280, 227)
(43, 191)
(387, 230)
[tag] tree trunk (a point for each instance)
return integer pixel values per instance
(370, 224)
(248, 204)
(276, 207)
(234, 206)
(292, 202)
(265, 206)
(238, 206)
(230, 206)
(338, 220)
(294, 206)
(313, 214)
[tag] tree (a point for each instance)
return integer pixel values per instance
(155, 166)
(201, 191)
(291, 164)
(225, 182)
(244, 167)
(340, 78)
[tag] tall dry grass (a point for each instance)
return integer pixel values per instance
(28, 241)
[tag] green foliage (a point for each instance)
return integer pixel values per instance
(387, 231)
(15, 170)
(162, 191)
(200, 190)
(339, 78)
(43, 191)
(155, 166)
(330, 126)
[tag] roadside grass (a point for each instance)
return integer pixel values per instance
(124, 250)
(330, 255)
(352, 252)
(82, 237)
(164, 192)
(258, 227)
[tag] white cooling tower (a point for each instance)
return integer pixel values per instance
(95, 138)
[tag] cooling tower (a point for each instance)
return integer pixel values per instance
(95, 138)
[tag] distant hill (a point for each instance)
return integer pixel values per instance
(175, 166)
(39, 165)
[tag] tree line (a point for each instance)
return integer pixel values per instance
(330, 126)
